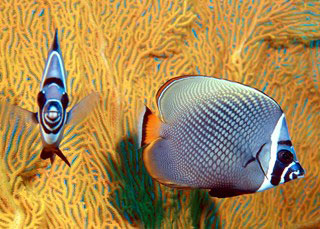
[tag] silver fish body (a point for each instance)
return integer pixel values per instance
(219, 135)
(53, 102)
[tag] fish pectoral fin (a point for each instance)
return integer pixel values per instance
(251, 157)
(9, 112)
(247, 162)
(260, 152)
(81, 110)
(35, 117)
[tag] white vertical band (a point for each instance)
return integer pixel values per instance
(273, 155)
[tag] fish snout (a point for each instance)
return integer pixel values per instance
(296, 171)
(53, 115)
(52, 112)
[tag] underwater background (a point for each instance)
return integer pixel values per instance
(126, 50)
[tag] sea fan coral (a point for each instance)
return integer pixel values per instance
(126, 50)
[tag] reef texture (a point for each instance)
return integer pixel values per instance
(126, 50)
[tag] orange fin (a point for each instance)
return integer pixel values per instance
(150, 127)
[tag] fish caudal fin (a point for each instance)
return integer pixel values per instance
(49, 152)
(149, 127)
(52, 158)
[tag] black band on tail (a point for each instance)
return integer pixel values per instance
(144, 125)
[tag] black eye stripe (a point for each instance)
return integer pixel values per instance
(287, 143)
(54, 124)
(41, 99)
(65, 100)
(277, 172)
(275, 180)
(285, 156)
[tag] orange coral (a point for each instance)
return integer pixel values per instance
(126, 50)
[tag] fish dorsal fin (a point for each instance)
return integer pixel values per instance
(174, 95)
(180, 93)
(54, 67)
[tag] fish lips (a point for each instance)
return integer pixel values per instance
(295, 171)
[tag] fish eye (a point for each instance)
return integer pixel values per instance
(41, 99)
(65, 100)
(285, 156)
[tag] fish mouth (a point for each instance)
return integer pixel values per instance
(294, 175)
(294, 172)
(297, 171)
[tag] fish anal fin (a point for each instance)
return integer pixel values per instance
(225, 193)
(151, 125)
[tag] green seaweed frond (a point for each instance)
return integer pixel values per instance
(141, 200)
(137, 197)
(204, 211)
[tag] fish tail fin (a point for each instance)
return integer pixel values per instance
(60, 154)
(52, 159)
(49, 152)
(149, 127)
(46, 153)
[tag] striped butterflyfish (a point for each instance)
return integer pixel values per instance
(53, 100)
(218, 135)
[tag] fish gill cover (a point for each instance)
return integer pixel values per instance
(126, 50)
